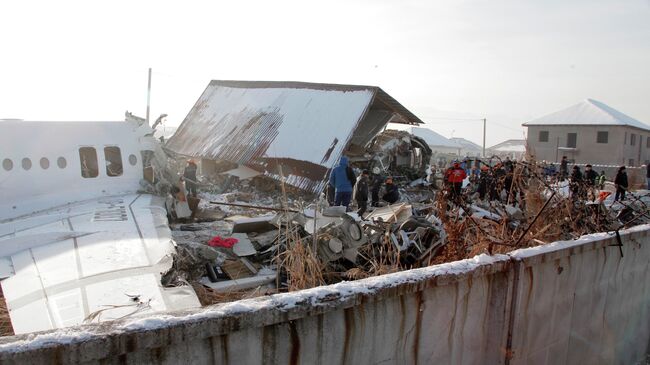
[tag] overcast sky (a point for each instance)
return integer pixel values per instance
(509, 61)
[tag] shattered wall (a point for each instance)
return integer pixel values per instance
(582, 301)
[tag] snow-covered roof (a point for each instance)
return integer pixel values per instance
(432, 138)
(510, 145)
(588, 112)
(466, 144)
(302, 127)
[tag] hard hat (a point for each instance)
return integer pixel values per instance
(376, 170)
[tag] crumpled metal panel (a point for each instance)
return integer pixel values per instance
(300, 126)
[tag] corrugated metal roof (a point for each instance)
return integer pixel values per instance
(303, 127)
(588, 112)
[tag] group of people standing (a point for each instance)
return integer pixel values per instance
(492, 181)
(344, 186)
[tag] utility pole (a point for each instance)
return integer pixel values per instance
(484, 123)
(148, 95)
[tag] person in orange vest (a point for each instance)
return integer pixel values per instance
(454, 177)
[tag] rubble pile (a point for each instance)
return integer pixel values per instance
(248, 242)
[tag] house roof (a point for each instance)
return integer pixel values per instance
(510, 145)
(466, 144)
(432, 138)
(303, 127)
(588, 112)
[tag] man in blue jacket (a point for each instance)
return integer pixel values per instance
(343, 179)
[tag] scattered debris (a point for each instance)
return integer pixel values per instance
(299, 246)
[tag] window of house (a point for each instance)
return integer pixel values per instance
(88, 160)
(603, 137)
(647, 143)
(113, 158)
(632, 139)
(630, 162)
(543, 136)
(571, 140)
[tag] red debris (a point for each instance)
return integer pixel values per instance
(218, 241)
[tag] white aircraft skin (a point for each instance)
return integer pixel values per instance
(78, 243)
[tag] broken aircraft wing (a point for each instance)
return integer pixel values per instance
(97, 260)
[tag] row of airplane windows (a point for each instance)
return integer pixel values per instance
(88, 159)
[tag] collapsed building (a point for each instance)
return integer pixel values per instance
(291, 130)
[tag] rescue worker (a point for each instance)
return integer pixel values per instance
(361, 192)
(590, 177)
(576, 182)
(343, 179)
(621, 183)
(189, 176)
(375, 185)
(483, 179)
(496, 183)
(392, 193)
(564, 168)
(454, 177)
(600, 182)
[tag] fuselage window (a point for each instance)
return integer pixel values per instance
(7, 164)
(61, 162)
(88, 158)
(45, 163)
(133, 160)
(27, 163)
(113, 157)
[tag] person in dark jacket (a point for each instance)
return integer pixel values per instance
(361, 192)
(589, 180)
(576, 182)
(392, 193)
(376, 180)
(564, 168)
(590, 176)
(343, 179)
(495, 183)
(483, 180)
(189, 175)
(621, 183)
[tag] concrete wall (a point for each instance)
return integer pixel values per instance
(617, 150)
(569, 302)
